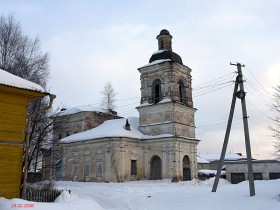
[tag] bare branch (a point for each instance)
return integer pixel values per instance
(22, 56)
(275, 107)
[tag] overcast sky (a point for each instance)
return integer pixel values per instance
(92, 42)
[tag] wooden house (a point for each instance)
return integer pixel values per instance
(15, 94)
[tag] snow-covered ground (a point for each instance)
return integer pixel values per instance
(160, 195)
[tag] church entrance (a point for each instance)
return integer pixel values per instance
(186, 168)
(155, 168)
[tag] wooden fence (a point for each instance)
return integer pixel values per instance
(43, 195)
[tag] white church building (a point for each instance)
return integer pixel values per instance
(160, 144)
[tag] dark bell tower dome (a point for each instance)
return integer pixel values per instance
(164, 32)
(165, 48)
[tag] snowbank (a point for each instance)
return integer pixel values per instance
(64, 202)
(159, 194)
(167, 195)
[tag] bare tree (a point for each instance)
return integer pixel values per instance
(108, 98)
(21, 55)
(276, 128)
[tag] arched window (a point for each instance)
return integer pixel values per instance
(182, 92)
(156, 91)
(186, 168)
(155, 168)
(162, 45)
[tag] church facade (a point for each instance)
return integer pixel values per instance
(160, 144)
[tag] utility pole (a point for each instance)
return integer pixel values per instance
(241, 95)
(224, 149)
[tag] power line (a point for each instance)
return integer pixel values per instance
(256, 80)
(264, 114)
(215, 122)
(262, 97)
(213, 90)
(202, 89)
(127, 105)
(209, 86)
(196, 87)
(214, 86)
(260, 91)
(125, 99)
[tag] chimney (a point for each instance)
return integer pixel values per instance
(127, 125)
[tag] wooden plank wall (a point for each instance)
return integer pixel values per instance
(13, 116)
(12, 123)
(10, 170)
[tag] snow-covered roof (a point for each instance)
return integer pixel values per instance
(84, 108)
(11, 80)
(157, 52)
(210, 172)
(253, 161)
(46, 147)
(228, 156)
(155, 62)
(112, 128)
(201, 160)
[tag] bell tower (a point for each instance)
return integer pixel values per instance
(166, 93)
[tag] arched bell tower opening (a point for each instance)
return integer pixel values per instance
(182, 92)
(156, 91)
